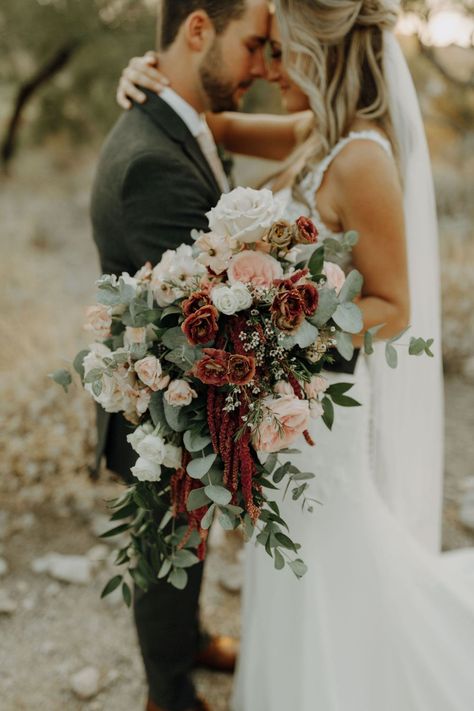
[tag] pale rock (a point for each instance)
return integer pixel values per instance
(4, 524)
(114, 599)
(29, 603)
(468, 369)
(98, 553)
(86, 683)
(47, 647)
(66, 568)
(3, 567)
(7, 605)
(22, 586)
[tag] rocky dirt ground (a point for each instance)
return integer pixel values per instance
(51, 630)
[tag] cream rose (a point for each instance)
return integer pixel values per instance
(315, 409)
(256, 268)
(98, 321)
(244, 214)
(283, 387)
(139, 435)
(150, 373)
(145, 470)
(152, 447)
(315, 387)
(173, 456)
(286, 419)
(134, 336)
(334, 275)
(179, 393)
(231, 299)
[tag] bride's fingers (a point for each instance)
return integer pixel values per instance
(127, 91)
(146, 76)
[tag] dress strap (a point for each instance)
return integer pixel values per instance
(312, 182)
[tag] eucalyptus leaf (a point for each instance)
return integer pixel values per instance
(78, 363)
(208, 517)
(298, 567)
(344, 345)
(316, 262)
(348, 316)
(218, 494)
(227, 521)
(184, 559)
(165, 569)
(327, 305)
(416, 347)
(391, 355)
(197, 468)
(176, 417)
(351, 287)
(195, 442)
(279, 560)
(62, 377)
(111, 585)
(126, 594)
(174, 338)
(197, 499)
(178, 578)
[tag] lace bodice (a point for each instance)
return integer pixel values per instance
(311, 183)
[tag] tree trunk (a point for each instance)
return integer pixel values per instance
(27, 91)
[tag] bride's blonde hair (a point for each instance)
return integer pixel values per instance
(333, 50)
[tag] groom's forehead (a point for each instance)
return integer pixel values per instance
(256, 20)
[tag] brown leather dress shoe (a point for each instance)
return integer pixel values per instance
(220, 654)
(201, 705)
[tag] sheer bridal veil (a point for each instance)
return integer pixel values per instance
(408, 402)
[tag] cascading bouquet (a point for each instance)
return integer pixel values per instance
(215, 356)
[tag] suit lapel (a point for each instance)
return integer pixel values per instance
(167, 119)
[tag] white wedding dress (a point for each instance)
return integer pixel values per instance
(381, 621)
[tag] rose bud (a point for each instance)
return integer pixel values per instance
(195, 302)
(305, 231)
(310, 297)
(280, 235)
(201, 327)
(241, 369)
(212, 369)
(288, 311)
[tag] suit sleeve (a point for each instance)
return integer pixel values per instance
(162, 202)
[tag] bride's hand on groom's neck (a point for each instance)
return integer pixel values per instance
(140, 72)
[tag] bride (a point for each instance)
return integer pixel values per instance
(380, 622)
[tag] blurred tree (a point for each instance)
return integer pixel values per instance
(63, 57)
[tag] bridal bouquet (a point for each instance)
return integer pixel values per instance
(214, 356)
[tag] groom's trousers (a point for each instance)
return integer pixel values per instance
(167, 620)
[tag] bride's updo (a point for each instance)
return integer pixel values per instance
(334, 53)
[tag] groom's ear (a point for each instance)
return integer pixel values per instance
(199, 31)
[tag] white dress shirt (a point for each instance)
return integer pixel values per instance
(198, 127)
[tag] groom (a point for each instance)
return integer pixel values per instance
(159, 173)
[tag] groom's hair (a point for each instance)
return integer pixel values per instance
(172, 14)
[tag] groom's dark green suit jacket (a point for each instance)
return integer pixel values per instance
(153, 186)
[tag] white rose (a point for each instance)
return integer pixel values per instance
(244, 214)
(113, 397)
(95, 357)
(139, 435)
(230, 299)
(164, 293)
(150, 373)
(152, 447)
(173, 456)
(334, 275)
(98, 321)
(243, 296)
(128, 280)
(315, 409)
(144, 470)
(179, 393)
(316, 385)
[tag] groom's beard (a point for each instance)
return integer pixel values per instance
(219, 91)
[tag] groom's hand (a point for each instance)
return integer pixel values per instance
(140, 71)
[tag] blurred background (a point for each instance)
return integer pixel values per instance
(60, 61)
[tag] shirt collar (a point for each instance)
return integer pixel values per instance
(185, 111)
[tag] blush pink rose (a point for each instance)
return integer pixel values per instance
(334, 275)
(179, 393)
(150, 373)
(286, 419)
(256, 268)
(98, 321)
(316, 385)
(283, 387)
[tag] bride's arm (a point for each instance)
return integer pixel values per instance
(262, 136)
(370, 201)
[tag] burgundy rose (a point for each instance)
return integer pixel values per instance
(195, 302)
(306, 232)
(288, 311)
(241, 369)
(201, 326)
(212, 369)
(310, 297)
